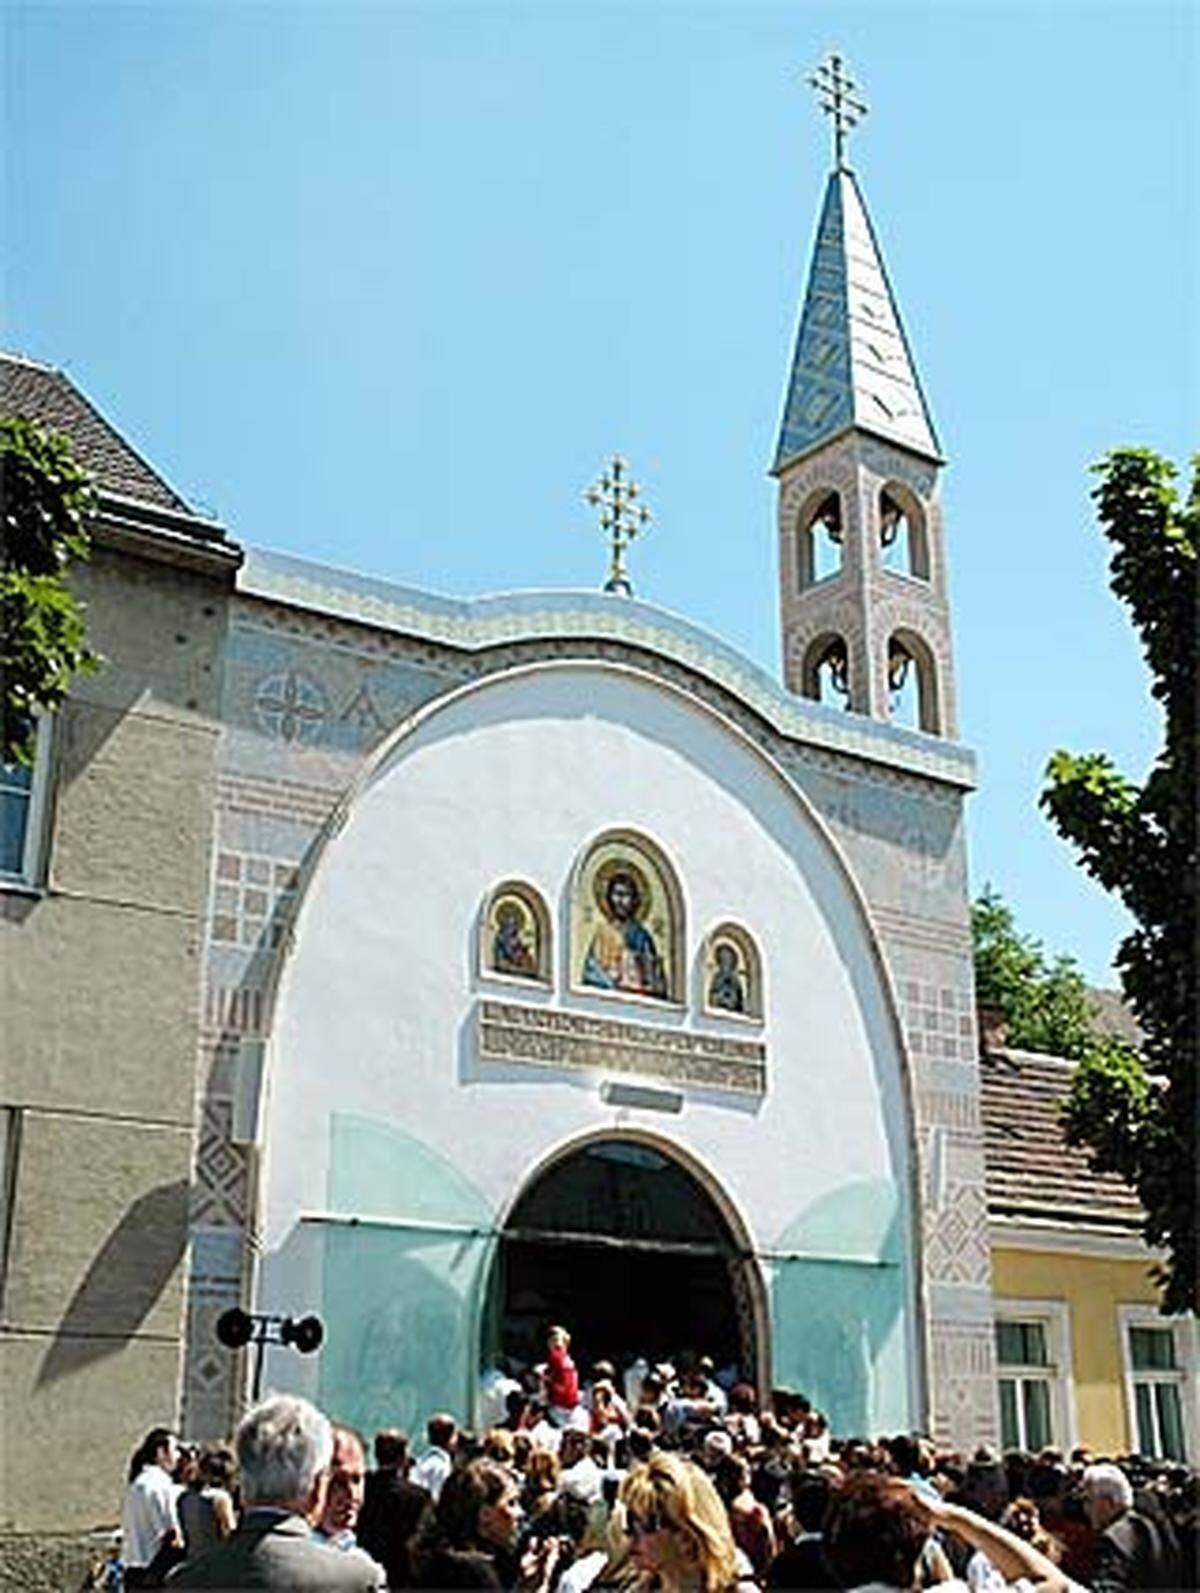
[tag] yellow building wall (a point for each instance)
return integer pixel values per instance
(1092, 1288)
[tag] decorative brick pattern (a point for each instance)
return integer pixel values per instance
(234, 1009)
(939, 1020)
(210, 1404)
(220, 1179)
(956, 1237)
(964, 1383)
(306, 805)
(253, 899)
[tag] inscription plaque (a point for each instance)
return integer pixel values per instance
(549, 1037)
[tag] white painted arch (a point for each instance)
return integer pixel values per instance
(512, 776)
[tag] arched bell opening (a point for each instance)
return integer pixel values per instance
(903, 536)
(913, 698)
(625, 1246)
(820, 539)
(825, 671)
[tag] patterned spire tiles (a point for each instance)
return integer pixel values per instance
(852, 365)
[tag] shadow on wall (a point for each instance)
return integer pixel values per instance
(123, 1282)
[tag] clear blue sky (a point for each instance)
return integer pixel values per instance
(383, 284)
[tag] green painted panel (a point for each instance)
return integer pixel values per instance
(401, 1302)
(839, 1288)
(400, 1308)
(378, 1170)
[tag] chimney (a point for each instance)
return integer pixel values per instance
(993, 1028)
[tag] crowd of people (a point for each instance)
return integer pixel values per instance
(664, 1479)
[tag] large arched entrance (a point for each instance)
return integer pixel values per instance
(622, 1243)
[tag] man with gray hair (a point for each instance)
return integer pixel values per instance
(284, 1448)
(1133, 1548)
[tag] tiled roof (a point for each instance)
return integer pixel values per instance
(41, 393)
(852, 365)
(1031, 1171)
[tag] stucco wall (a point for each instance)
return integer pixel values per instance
(100, 996)
(374, 1021)
(1092, 1287)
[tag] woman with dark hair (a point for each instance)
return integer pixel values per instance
(877, 1527)
(149, 1521)
(742, 1418)
(470, 1539)
(206, 1514)
(749, 1518)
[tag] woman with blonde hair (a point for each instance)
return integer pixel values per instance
(679, 1535)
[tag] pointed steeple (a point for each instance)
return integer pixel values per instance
(852, 365)
(863, 602)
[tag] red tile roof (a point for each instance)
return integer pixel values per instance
(41, 393)
(1031, 1170)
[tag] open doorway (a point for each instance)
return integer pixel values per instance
(623, 1245)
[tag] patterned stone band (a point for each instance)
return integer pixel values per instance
(548, 1037)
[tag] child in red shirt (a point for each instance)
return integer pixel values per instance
(562, 1378)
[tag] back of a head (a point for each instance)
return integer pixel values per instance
(1109, 1483)
(441, 1430)
(870, 1535)
(731, 1476)
(810, 1499)
(391, 1448)
(742, 1399)
(148, 1448)
(282, 1446)
(218, 1466)
(905, 1454)
(1048, 1479)
(498, 1445)
(466, 1491)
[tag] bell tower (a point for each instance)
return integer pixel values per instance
(863, 600)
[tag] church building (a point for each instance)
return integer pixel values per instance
(561, 966)
(555, 963)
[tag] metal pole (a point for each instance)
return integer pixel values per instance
(260, 1344)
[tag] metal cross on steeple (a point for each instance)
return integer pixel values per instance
(620, 516)
(838, 93)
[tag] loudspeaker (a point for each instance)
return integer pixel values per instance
(235, 1328)
(306, 1334)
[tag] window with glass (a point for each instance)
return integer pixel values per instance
(1157, 1379)
(22, 797)
(16, 793)
(1026, 1375)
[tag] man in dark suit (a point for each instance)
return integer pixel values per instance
(391, 1509)
(1134, 1549)
(284, 1448)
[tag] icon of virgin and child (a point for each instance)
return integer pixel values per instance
(622, 954)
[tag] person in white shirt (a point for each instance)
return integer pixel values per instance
(148, 1514)
(582, 1478)
(435, 1465)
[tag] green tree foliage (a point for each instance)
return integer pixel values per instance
(1138, 1117)
(1044, 1003)
(47, 502)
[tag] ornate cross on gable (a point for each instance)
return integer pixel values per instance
(620, 516)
